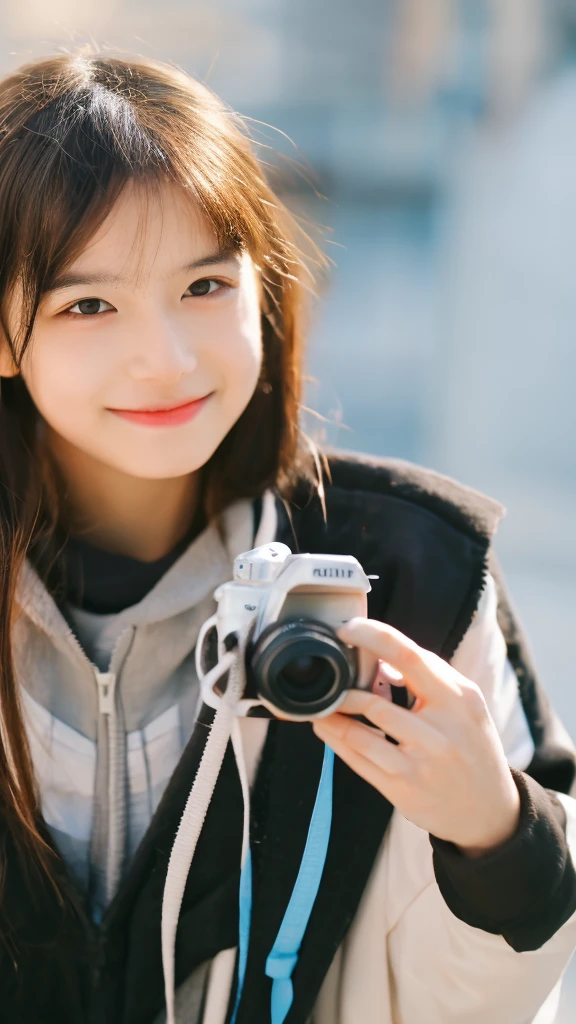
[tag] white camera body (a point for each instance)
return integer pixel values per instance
(291, 606)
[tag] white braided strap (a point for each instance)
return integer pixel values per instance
(195, 813)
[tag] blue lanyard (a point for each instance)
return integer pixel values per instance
(284, 953)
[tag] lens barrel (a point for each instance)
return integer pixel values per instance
(301, 667)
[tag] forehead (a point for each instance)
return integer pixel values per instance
(147, 233)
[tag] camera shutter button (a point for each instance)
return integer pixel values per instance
(261, 565)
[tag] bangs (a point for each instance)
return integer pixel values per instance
(65, 167)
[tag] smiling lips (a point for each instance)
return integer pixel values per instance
(172, 417)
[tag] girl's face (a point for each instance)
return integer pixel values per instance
(148, 349)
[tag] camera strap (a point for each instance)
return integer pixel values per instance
(283, 956)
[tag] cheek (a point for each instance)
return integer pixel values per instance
(241, 366)
(62, 379)
(238, 349)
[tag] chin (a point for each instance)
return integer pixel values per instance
(178, 460)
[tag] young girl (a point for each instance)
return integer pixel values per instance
(150, 380)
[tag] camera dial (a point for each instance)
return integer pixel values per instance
(261, 565)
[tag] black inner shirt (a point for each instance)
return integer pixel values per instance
(103, 582)
(106, 583)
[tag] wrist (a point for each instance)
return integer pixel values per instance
(524, 890)
(500, 832)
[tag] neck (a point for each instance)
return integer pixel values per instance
(141, 518)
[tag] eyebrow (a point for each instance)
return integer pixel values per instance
(71, 279)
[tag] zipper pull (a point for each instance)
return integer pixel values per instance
(106, 682)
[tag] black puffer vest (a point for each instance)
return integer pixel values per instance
(428, 541)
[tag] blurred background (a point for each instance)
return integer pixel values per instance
(435, 142)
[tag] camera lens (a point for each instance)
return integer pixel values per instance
(301, 667)
(303, 671)
(305, 679)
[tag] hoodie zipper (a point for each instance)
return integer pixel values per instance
(106, 683)
(97, 935)
(116, 783)
(106, 687)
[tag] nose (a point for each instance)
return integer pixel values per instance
(162, 351)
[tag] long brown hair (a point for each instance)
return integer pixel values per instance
(74, 129)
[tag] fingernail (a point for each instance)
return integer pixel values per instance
(348, 628)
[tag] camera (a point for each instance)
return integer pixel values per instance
(288, 607)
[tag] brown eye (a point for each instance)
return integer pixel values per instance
(89, 307)
(203, 287)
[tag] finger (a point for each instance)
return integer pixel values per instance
(405, 726)
(428, 675)
(364, 740)
(384, 782)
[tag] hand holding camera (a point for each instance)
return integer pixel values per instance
(448, 772)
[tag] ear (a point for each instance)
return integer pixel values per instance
(8, 367)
